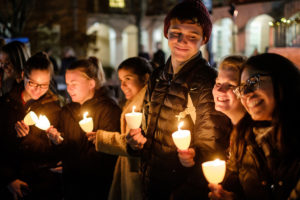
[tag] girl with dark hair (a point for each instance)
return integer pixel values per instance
(12, 59)
(266, 153)
(26, 152)
(82, 164)
(133, 74)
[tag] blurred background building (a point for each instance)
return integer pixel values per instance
(114, 30)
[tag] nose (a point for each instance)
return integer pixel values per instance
(222, 88)
(181, 38)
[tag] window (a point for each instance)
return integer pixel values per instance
(117, 3)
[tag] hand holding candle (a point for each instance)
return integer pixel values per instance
(44, 124)
(86, 123)
(133, 119)
(182, 138)
(214, 171)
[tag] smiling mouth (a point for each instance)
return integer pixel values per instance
(181, 49)
(222, 99)
(254, 103)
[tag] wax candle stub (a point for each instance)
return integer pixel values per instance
(214, 171)
(182, 138)
(43, 123)
(133, 119)
(31, 118)
(86, 123)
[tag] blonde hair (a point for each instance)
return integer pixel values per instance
(91, 68)
(232, 63)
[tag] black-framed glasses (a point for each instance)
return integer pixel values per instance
(36, 85)
(251, 84)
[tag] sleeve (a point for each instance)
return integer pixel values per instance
(111, 142)
(212, 128)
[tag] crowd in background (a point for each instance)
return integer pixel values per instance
(246, 112)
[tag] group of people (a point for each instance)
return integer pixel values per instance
(245, 113)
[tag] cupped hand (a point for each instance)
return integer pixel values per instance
(21, 128)
(218, 193)
(15, 187)
(91, 136)
(54, 135)
(186, 157)
(135, 139)
(58, 168)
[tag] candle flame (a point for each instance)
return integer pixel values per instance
(85, 114)
(180, 125)
(133, 108)
(43, 122)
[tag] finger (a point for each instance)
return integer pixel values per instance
(19, 193)
(19, 132)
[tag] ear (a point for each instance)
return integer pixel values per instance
(146, 78)
(22, 75)
(204, 40)
(92, 84)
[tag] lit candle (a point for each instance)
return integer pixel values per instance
(86, 123)
(214, 171)
(133, 119)
(182, 138)
(31, 118)
(43, 123)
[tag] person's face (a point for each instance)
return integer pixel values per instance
(257, 94)
(184, 39)
(225, 100)
(37, 83)
(6, 65)
(130, 83)
(79, 86)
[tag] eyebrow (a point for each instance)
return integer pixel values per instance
(38, 83)
(193, 32)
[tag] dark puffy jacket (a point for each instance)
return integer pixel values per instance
(167, 97)
(87, 174)
(260, 176)
(29, 158)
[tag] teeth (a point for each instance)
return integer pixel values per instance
(253, 103)
(222, 99)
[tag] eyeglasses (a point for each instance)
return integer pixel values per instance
(252, 84)
(36, 85)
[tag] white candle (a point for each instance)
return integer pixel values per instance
(86, 123)
(31, 118)
(43, 123)
(133, 119)
(182, 138)
(214, 171)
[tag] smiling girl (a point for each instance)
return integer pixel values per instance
(82, 164)
(26, 152)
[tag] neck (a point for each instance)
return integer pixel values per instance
(90, 96)
(177, 65)
(235, 117)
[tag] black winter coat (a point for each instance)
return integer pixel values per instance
(29, 158)
(87, 174)
(166, 97)
(271, 177)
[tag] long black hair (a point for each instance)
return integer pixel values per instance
(18, 54)
(286, 86)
